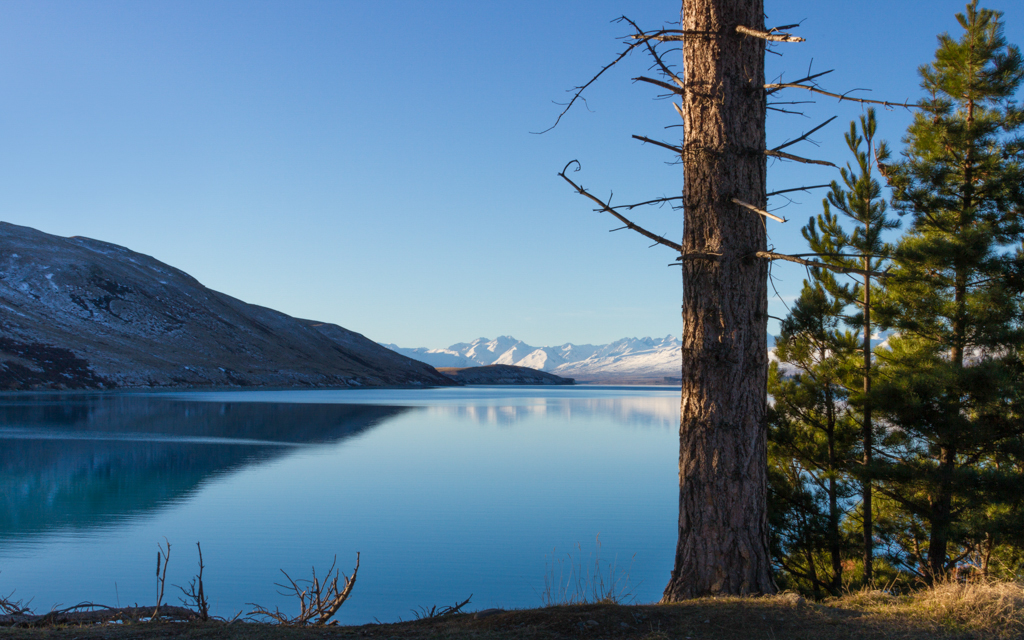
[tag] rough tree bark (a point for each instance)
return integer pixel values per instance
(723, 529)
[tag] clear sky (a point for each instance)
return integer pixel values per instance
(371, 163)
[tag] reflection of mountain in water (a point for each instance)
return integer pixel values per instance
(81, 461)
(657, 412)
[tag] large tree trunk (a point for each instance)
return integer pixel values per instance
(723, 529)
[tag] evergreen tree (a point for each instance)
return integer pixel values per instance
(951, 391)
(812, 438)
(859, 199)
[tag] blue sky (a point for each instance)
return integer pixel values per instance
(371, 163)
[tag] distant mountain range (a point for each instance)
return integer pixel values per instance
(634, 360)
(80, 313)
(629, 360)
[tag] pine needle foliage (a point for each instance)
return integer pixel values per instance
(951, 390)
(811, 439)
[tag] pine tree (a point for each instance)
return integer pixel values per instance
(812, 438)
(859, 199)
(950, 392)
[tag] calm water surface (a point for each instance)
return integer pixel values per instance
(445, 492)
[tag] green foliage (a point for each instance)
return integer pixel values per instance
(950, 390)
(819, 425)
(941, 410)
(812, 438)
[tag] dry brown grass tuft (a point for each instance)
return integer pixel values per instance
(989, 609)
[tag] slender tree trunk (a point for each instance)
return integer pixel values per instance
(834, 546)
(867, 434)
(723, 528)
(942, 515)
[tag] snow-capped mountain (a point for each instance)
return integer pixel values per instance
(629, 359)
(635, 360)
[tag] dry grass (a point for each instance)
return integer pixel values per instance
(950, 611)
(581, 578)
(989, 609)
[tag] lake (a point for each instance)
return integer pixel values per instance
(489, 491)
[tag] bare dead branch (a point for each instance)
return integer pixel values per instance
(630, 207)
(857, 256)
(771, 255)
(96, 613)
(582, 88)
(8, 606)
(606, 207)
(789, 156)
(196, 594)
(796, 113)
(758, 210)
(654, 53)
(660, 144)
(659, 83)
(161, 577)
(765, 35)
(699, 255)
(780, 191)
(801, 80)
(843, 96)
(804, 136)
(675, 35)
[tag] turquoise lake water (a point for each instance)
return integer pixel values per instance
(445, 493)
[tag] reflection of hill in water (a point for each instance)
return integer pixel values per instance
(647, 412)
(80, 461)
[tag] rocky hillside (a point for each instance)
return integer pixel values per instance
(81, 313)
(502, 374)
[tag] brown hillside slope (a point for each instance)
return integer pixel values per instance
(81, 313)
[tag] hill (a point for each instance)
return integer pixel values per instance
(77, 313)
(502, 374)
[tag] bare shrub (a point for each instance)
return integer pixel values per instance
(318, 601)
(195, 595)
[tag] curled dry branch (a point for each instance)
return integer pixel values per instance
(318, 601)
(604, 206)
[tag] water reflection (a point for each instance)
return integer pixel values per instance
(644, 412)
(445, 492)
(82, 462)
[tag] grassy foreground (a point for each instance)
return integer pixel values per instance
(948, 611)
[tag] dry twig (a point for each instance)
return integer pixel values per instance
(161, 578)
(195, 593)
